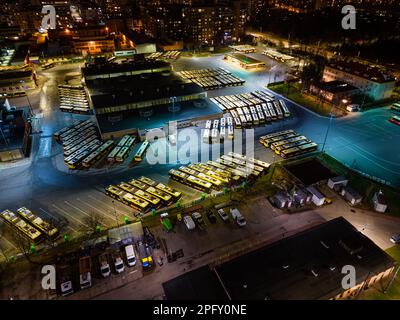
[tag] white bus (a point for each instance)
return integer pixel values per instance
(112, 154)
(214, 135)
(208, 124)
(206, 136)
(122, 154)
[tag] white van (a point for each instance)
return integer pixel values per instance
(130, 255)
(353, 108)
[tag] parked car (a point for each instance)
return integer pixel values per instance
(118, 263)
(104, 266)
(221, 212)
(198, 219)
(353, 108)
(395, 238)
(211, 216)
(237, 217)
(188, 221)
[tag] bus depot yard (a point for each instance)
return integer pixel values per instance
(252, 109)
(288, 143)
(211, 79)
(73, 99)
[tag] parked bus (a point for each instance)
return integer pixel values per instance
(208, 124)
(266, 112)
(176, 195)
(112, 154)
(122, 154)
(285, 109)
(238, 123)
(395, 107)
(165, 197)
(395, 120)
(128, 198)
(49, 230)
(267, 142)
(24, 229)
(123, 141)
(279, 149)
(206, 136)
(272, 111)
(48, 65)
(284, 142)
(295, 151)
(151, 199)
(222, 133)
(148, 181)
(190, 180)
(98, 154)
(139, 154)
(278, 109)
(214, 135)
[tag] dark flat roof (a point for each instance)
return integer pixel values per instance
(336, 86)
(310, 171)
(122, 90)
(110, 68)
(361, 70)
(284, 269)
(161, 116)
(199, 284)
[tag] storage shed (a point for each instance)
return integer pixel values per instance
(317, 197)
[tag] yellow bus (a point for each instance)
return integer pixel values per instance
(128, 198)
(24, 229)
(154, 201)
(167, 189)
(49, 230)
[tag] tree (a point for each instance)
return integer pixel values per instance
(92, 222)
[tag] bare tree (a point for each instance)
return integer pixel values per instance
(91, 223)
(23, 245)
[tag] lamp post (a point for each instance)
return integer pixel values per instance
(327, 130)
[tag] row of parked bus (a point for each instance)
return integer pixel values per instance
(230, 169)
(73, 99)
(218, 130)
(29, 225)
(144, 194)
(121, 151)
(288, 143)
(252, 109)
(211, 79)
(81, 144)
(174, 54)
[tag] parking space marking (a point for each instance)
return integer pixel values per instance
(109, 206)
(112, 218)
(9, 242)
(72, 217)
(85, 213)
(57, 218)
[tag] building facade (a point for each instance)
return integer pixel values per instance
(370, 80)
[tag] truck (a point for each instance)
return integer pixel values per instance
(65, 282)
(104, 265)
(237, 217)
(85, 277)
